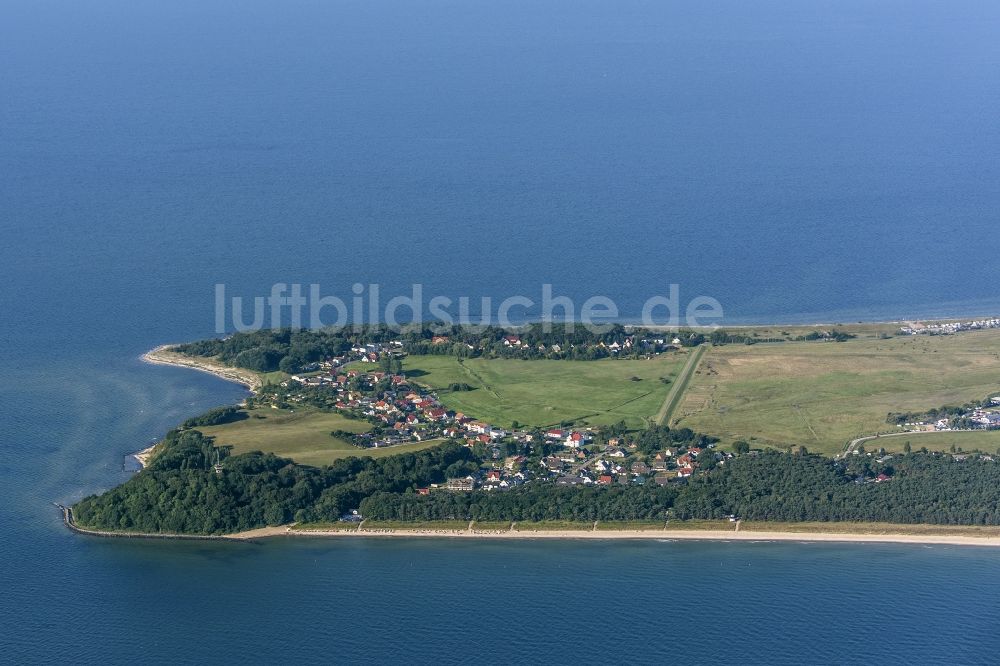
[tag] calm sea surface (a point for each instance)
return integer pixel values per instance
(796, 161)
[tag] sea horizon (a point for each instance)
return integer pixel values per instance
(801, 164)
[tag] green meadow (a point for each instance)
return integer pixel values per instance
(815, 394)
(545, 393)
(823, 394)
(302, 435)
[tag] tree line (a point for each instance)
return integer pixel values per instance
(771, 486)
(289, 350)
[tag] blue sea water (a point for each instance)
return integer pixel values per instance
(796, 161)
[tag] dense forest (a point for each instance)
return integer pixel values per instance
(925, 488)
(181, 492)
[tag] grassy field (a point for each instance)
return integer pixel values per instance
(302, 435)
(983, 440)
(678, 388)
(822, 394)
(544, 393)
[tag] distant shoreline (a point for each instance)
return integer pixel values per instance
(162, 355)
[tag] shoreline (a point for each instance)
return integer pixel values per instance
(625, 534)
(144, 456)
(163, 355)
(659, 535)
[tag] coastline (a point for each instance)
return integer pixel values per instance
(659, 535)
(144, 456)
(612, 535)
(163, 355)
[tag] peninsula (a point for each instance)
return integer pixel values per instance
(540, 433)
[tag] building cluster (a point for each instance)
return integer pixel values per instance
(404, 412)
(950, 327)
(628, 344)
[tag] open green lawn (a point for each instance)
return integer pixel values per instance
(302, 435)
(544, 393)
(822, 394)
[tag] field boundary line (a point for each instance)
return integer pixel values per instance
(680, 386)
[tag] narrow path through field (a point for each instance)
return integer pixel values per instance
(805, 419)
(680, 385)
(475, 375)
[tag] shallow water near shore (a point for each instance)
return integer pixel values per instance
(371, 601)
(830, 163)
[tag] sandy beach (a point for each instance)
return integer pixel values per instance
(659, 535)
(163, 356)
(144, 455)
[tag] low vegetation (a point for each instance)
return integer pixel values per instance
(546, 393)
(304, 435)
(822, 395)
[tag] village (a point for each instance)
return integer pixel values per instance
(402, 412)
(950, 327)
(983, 415)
